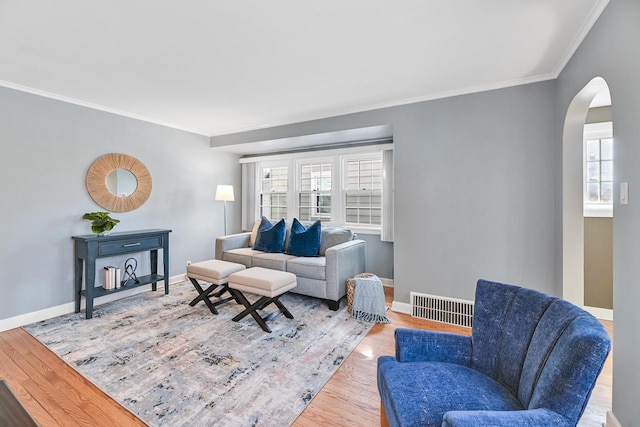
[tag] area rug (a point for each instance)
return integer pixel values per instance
(172, 364)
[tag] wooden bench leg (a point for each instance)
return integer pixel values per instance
(205, 295)
(282, 308)
(252, 309)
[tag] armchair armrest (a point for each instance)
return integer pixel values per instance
(532, 417)
(231, 241)
(416, 345)
(342, 262)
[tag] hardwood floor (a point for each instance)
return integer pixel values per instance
(56, 395)
(53, 392)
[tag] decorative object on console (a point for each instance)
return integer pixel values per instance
(118, 182)
(101, 222)
(225, 193)
(111, 277)
(271, 237)
(130, 266)
(304, 241)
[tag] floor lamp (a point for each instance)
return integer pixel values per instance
(225, 193)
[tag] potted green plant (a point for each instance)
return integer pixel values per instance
(101, 222)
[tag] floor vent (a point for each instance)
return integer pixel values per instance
(442, 309)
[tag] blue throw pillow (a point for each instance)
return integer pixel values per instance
(270, 237)
(304, 241)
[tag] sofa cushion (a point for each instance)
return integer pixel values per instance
(332, 236)
(270, 237)
(241, 256)
(445, 386)
(304, 241)
(271, 261)
(311, 267)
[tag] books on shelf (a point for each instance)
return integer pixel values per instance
(111, 277)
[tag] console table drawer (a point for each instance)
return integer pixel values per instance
(129, 245)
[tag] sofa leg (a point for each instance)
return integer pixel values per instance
(333, 305)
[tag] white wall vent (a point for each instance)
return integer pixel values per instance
(442, 309)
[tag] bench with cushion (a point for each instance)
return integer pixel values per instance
(215, 272)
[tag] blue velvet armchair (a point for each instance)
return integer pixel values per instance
(532, 360)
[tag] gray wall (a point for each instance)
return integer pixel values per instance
(46, 148)
(598, 262)
(474, 178)
(379, 256)
(611, 51)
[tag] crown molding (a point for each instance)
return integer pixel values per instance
(588, 23)
(395, 103)
(69, 100)
(294, 119)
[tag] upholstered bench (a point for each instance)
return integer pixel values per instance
(217, 273)
(269, 284)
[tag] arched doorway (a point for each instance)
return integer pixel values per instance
(572, 190)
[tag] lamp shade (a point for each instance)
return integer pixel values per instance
(225, 193)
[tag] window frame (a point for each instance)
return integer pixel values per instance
(344, 159)
(338, 159)
(258, 196)
(595, 131)
(299, 163)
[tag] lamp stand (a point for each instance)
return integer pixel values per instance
(225, 217)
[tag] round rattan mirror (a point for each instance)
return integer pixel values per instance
(100, 179)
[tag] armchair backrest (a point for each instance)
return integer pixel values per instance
(547, 351)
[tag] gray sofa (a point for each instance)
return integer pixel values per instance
(341, 257)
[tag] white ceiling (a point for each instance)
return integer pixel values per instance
(215, 67)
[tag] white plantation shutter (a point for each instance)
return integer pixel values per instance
(387, 191)
(274, 183)
(314, 193)
(363, 195)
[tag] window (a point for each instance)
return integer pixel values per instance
(342, 187)
(274, 189)
(363, 195)
(314, 195)
(598, 169)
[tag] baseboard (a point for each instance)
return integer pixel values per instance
(600, 313)
(401, 307)
(387, 282)
(612, 421)
(48, 313)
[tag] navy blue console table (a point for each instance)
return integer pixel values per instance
(90, 247)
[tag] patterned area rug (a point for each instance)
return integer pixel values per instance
(172, 364)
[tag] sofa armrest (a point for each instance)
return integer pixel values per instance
(417, 345)
(231, 241)
(343, 261)
(532, 417)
